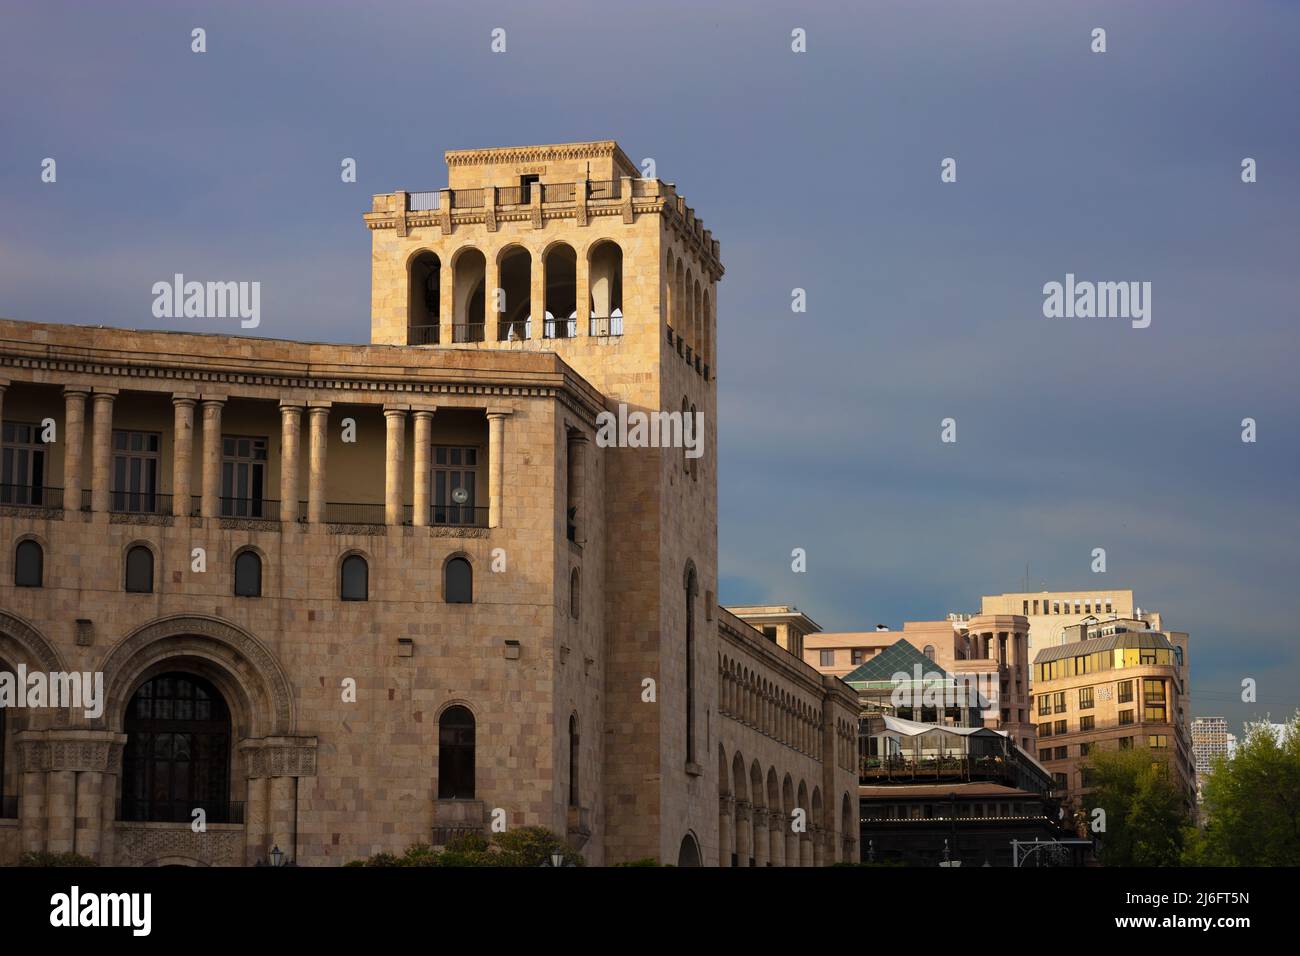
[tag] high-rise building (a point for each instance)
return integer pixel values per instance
(1052, 613)
(1210, 739)
(1117, 684)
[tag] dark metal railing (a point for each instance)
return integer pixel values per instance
(467, 332)
(179, 811)
(31, 496)
(914, 768)
(603, 189)
(560, 328)
(261, 508)
(422, 335)
(512, 196)
(468, 516)
(602, 326)
(514, 331)
(466, 198)
(140, 502)
(342, 512)
(558, 192)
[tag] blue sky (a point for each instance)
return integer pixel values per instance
(818, 171)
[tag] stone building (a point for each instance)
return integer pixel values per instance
(345, 598)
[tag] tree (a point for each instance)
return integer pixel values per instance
(1146, 813)
(1252, 803)
(522, 846)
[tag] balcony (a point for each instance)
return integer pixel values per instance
(605, 326)
(898, 769)
(423, 335)
(28, 496)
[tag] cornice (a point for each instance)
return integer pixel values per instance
(532, 154)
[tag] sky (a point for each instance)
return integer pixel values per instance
(818, 171)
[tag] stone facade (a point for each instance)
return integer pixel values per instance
(590, 657)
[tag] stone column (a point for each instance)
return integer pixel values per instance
(805, 849)
(102, 450)
(61, 789)
(212, 457)
(89, 784)
(743, 832)
(582, 285)
(423, 464)
(182, 454)
(446, 296)
(255, 820)
(281, 815)
(108, 809)
(491, 283)
(290, 445)
(776, 838)
(819, 847)
(4, 385)
(496, 465)
(537, 292)
(31, 805)
(791, 845)
(761, 839)
(319, 415)
(394, 464)
(726, 829)
(74, 441)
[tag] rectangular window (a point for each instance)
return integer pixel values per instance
(1062, 753)
(1158, 741)
(243, 476)
(1085, 749)
(1085, 698)
(1044, 705)
(1087, 723)
(1125, 688)
(856, 657)
(22, 472)
(1125, 718)
(136, 463)
(1044, 730)
(1153, 700)
(455, 481)
(1058, 702)
(1126, 743)
(1061, 781)
(828, 658)
(1062, 727)
(1045, 753)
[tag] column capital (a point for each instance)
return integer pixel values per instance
(105, 394)
(185, 400)
(208, 402)
(392, 411)
(287, 406)
(423, 414)
(499, 412)
(82, 390)
(318, 408)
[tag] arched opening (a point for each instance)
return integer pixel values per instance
(689, 854)
(248, 574)
(561, 270)
(354, 579)
(514, 321)
(847, 831)
(706, 346)
(573, 760)
(177, 754)
(606, 295)
(424, 300)
(575, 592)
(29, 564)
(929, 651)
(139, 570)
(469, 296)
(458, 582)
(456, 754)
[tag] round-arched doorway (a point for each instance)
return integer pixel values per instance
(177, 754)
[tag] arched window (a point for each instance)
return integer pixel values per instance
(929, 651)
(354, 579)
(424, 300)
(248, 574)
(456, 754)
(690, 664)
(458, 582)
(29, 565)
(692, 440)
(575, 592)
(689, 853)
(177, 755)
(573, 760)
(139, 570)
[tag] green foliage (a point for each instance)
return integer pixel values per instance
(644, 861)
(1252, 804)
(1146, 813)
(524, 846)
(54, 859)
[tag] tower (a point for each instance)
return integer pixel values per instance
(564, 248)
